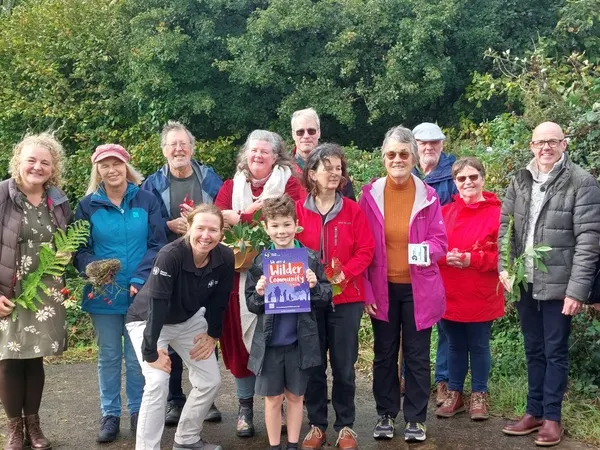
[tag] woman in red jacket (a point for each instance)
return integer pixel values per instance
(337, 228)
(470, 274)
(264, 170)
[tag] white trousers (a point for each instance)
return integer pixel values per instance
(204, 377)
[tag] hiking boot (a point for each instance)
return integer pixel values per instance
(199, 445)
(173, 414)
(245, 422)
(479, 406)
(384, 429)
(347, 439)
(525, 425)
(133, 420)
(415, 432)
(550, 434)
(213, 414)
(453, 404)
(109, 428)
(441, 393)
(314, 440)
(15, 437)
(34, 435)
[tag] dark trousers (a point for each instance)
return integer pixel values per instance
(468, 340)
(415, 348)
(176, 394)
(338, 333)
(546, 337)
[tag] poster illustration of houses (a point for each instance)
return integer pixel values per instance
(287, 290)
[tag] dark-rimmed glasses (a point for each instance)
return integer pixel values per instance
(463, 178)
(311, 131)
(392, 155)
(553, 143)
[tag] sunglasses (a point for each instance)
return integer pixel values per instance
(462, 178)
(392, 155)
(310, 131)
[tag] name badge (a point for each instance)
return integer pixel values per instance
(418, 254)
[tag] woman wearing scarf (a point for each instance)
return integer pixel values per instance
(264, 170)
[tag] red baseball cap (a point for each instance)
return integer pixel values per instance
(107, 150)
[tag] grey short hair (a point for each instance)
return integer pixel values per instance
(308, 112)
(282, 156)
(175, 125)
(404, 136)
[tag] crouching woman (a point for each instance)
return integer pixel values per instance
(182, 305)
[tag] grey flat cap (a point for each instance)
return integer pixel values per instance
(428, 132)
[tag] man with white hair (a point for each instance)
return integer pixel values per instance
(306, 131)
(179, 185)
(435, 169)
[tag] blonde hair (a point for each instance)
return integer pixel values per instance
(132, 175)
(47, 141)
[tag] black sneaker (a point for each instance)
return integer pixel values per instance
(245, 422)
(173, 414)
(109, 429)
(415, 432)
(384, 428)
(213, 414)
(133, 419)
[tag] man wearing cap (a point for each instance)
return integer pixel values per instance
(556, 203)
(306, 131)
(435, 169)
(179, 185)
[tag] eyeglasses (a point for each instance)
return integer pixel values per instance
(462, 178)
(311, 131)
(174, 145)
(553, 143)
(392, 155)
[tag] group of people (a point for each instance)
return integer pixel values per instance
(178, 291)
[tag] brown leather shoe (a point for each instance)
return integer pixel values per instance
(347, 439)
(34, 434)
(453, 404)
(442, 393)
(525, 425)
(314, 440)
(479, 409)
(550, 434)
(15, 437)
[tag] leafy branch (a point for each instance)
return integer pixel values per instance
(517, 276)
(54, 260)
(248, 236)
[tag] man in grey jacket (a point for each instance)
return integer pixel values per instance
(556, 203)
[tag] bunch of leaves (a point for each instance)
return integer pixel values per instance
(517, 276)
(332, 272)
(248, 236)
(54, 260)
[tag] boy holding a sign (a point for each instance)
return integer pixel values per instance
(284, 286)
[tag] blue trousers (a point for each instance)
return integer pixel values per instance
(546, 338)
(441, 357)
(114, 343)
(468, 341)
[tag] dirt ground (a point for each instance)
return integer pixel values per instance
(70, 414)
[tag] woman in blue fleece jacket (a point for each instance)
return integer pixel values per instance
(126, 224)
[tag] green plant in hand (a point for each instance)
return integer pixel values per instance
(248, 236)
(53, 262)
(517, 276)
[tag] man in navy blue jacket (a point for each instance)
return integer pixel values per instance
(435, 169)
(179, 185)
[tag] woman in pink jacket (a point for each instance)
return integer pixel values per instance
(405, 217)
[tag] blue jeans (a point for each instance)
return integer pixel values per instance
(113, 341)
(468, 341)
(441, 357)
(245, 386)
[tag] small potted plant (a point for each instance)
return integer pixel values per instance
(247, 240)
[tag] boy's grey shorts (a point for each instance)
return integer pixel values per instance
(281, 370)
